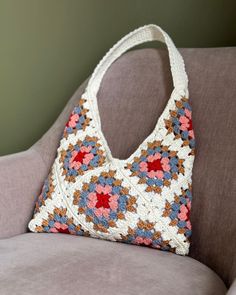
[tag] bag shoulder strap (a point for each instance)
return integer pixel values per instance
(143, 34)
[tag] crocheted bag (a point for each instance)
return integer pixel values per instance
(143, 200)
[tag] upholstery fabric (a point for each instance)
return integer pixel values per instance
(68, 265)
(141, 82)
(232, 289)
(21, 178)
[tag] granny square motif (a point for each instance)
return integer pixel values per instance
(142, 200)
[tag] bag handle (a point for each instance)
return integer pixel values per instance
(143, 34)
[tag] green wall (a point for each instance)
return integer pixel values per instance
(48, 47)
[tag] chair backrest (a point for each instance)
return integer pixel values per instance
(133, 94)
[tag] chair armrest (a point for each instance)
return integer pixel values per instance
(21, 178)
(22, 175)
(232, 289)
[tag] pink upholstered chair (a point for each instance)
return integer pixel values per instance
(133, 94)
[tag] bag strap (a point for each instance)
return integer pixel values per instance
(139, 36)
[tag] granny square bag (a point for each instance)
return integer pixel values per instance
(142, 200)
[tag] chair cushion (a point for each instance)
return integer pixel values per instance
(65, 264)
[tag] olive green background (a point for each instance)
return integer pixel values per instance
(48, 47)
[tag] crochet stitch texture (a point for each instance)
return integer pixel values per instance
(142, 200)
